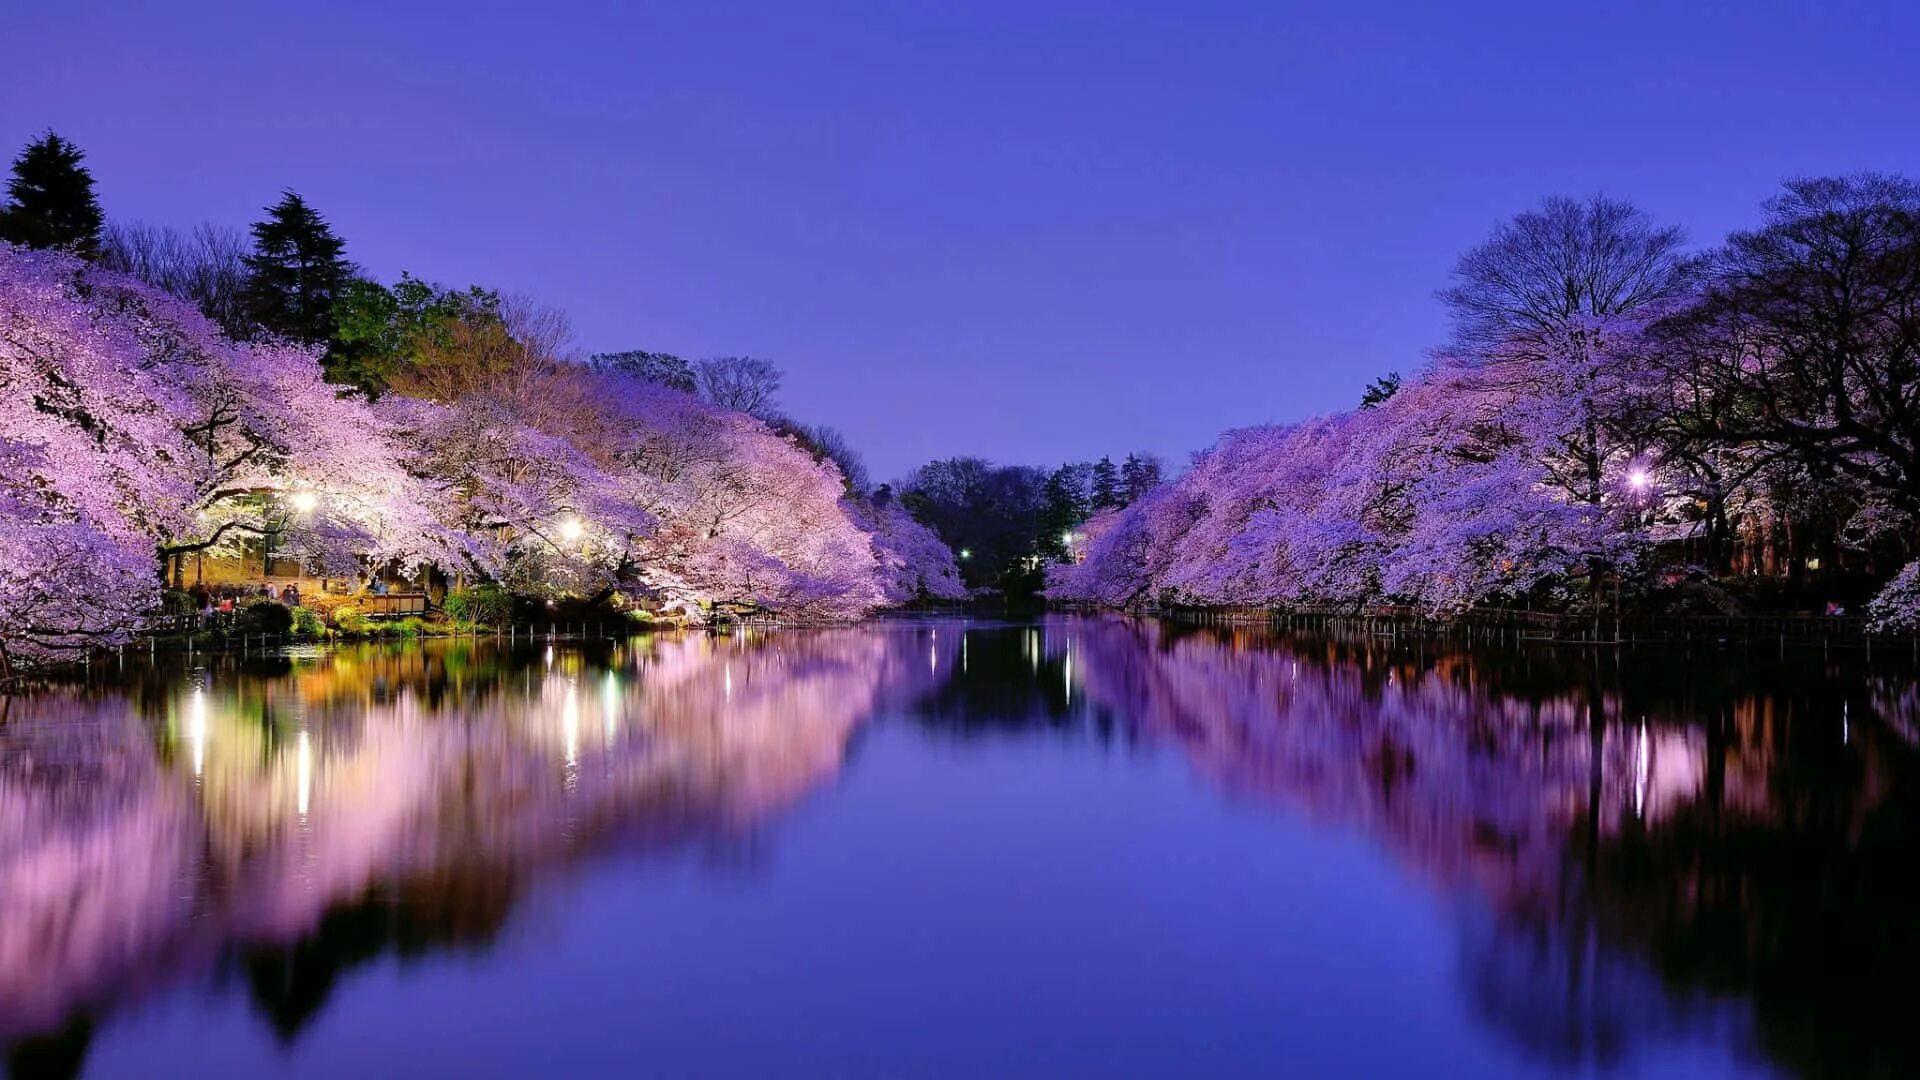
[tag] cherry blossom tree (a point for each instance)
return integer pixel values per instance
(66, 587)
(521, 507)
(747, 518)
(1442, 495)
(1896, 609)
(81, 390)
(1127, 552)
(164, 428)
(561, 479)
(914, 563)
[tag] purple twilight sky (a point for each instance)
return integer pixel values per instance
(1029, 231)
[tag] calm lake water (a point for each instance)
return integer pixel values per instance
(1075, 847)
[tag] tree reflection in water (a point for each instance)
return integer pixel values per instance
(1636, 848)
(289, 819)
(1641, 847)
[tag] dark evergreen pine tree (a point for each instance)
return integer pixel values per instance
(50, 199)
(1380, 389)
(1106, 484)
(298, 269)
(1063, 508)
(1139, 474)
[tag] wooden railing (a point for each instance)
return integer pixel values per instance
(384, 605)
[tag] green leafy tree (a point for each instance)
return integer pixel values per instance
(51, 201)
(380, 330)
(298, 270)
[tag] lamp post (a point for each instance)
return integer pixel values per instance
(302, 502)
(1639, 484)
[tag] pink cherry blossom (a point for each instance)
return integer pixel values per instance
(132, 430)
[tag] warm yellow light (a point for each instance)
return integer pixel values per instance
(571, 529)
(570, 723)
(303, 774)
(197, 729)
(304, 501)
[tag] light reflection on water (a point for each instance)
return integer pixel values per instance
(1649, 863)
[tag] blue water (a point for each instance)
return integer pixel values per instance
(1085, 847)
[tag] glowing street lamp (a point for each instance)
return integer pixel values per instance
(275, 519)
(571, 529)
(965, 554)
(1067, 538)
(1639, 479)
